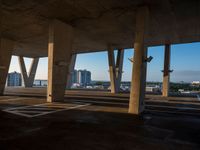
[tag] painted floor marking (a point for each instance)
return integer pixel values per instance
(43, 109)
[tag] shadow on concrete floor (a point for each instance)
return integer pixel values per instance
(96, 130)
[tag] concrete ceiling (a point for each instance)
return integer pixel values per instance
(97, 23)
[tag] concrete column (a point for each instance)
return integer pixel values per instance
(71, 69)
(119, 68)
(166, 71)
(6, 48)
(59, 56)
(112, 72)
(144, 74)
(137, 93)
(28, 78)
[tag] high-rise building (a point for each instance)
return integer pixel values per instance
(14, 79)
(83, 77)
(74, 76)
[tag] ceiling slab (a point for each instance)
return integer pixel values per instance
(97, 23)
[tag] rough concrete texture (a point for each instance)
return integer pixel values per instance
(138, 80)
(97, 23)
(28, 77)
(100, 126)
(59, 58)
(166, 71)
(6, 47)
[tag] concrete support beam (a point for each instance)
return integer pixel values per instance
(71, 69)
(137, 93)
(115, 69)
(6, 48)
(119, 68)
(59, 56)
(166, 71)
(112, 72)
(28, 78)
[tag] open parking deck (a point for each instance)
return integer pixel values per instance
(55, 119)
(97, 123)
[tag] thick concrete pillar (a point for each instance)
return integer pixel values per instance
(112, 72)
(166, 71)
(71, 69)
(6, 48)
(137, 93)
(28, 78)
(59, 56)
(119, 68)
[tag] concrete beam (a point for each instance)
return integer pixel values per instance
(6, 48)
(112, 72)
(166, 71)
(137, 93)
(28, 78)
(119, 68)
(59, 56)
(115, 69)
(71, 69)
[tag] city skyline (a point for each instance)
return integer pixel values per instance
(185, 65)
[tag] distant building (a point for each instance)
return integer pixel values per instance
(40, 83)
(80, 78)
(83, 77)
(14, 79)
(74, 78)
(195, 83)
(153, 88)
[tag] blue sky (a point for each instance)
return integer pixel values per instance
(185, 61)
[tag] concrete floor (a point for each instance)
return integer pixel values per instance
(86, 121)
